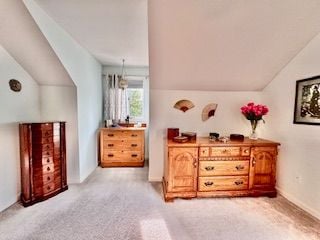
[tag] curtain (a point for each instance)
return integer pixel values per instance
(116, 106)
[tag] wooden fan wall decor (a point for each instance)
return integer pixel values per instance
(208, 111)
(184, 105)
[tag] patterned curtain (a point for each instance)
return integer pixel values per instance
(116, 106)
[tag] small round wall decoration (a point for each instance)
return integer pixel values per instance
(15, 85)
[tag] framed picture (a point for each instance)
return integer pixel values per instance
(307, 110)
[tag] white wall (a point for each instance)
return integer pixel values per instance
(86, 72)
(15, 107)
(298, 176)
(59, 103)
(228, 118)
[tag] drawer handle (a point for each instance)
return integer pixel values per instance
(48, 160)
(225, 151)
(48, 187)
(239, 167)
(134, 145)
(48, 178)
(134, 135)
(134, 155)
(110, 145)
(246, 151)
(208, 183)
(48, 147)
(48, 169)
(209, 168)
(110, 155)
(110, 135)
(239, 182)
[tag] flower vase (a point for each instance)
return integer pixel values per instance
(253, 135)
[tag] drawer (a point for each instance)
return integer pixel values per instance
(223, 168)
(52, 186)
(122, 156)
(133, 134)
(122, 144)
(204, 151)
(47, 178)
(222, 183)
(48, 168)
(42, 127)
(225, 151)
(118, 134)
(245, 151)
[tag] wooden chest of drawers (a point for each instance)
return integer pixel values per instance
(122, 147)
(43, 161)
(211, 169)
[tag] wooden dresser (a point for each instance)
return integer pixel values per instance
(122, 147)
(212, 169)
(43, 161)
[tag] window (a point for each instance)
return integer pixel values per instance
(136, 99)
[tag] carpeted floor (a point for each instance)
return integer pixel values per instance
(120, 204)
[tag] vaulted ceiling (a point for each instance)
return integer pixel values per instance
(111, 30)
(226, 45)
(21, 37)
(193, 44)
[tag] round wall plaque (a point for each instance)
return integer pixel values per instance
(15, 85)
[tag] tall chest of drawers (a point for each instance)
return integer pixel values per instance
(43, 161)
(215, 169)
(122, 147)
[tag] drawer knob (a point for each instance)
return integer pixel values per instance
(48, 160)
(48, 187)
(48, 169)
(48, 178)
(134, 145)
(239, 182)
(239, 167)
(110, 135)
(209, 168)
(208, 183)
(134, 155)
(110, 155)
(246, 151)
(134, 135)
(110, 145)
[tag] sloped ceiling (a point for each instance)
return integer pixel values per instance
(21, 37)
(226, 45)
(237, 45)
(111, 30)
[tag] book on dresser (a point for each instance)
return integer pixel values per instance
(205, 168)
(42, 161)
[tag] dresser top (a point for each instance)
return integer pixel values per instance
(205, 141)
(123, 129)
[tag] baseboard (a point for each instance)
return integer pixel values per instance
(300, 204)
(154, 179)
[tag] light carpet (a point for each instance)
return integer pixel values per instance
(120, 204)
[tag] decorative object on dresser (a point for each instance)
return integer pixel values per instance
(172, 132)
(254, 113)
(208, 111)
(183, 105)
(43, 161)
(236, 137)
(214, 169)
(307, 108)
(122, 147)
(192, 136)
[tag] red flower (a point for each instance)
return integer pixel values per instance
(254, 112)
